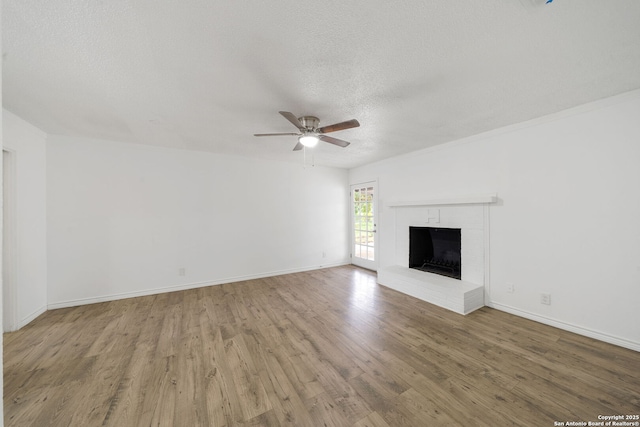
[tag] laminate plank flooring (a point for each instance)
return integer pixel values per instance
(321, 348)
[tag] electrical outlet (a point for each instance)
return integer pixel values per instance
(510, 288)
(545, 299)
(324, 254)
(182, 271)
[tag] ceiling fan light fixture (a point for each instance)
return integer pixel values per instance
(308, 140)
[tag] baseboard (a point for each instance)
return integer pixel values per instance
(183, 287)
(30, 318)
(621, 342)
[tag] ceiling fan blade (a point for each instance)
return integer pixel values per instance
(298, 147)
(339, 126)
(292, 118)
(334, 141)
(274, 134)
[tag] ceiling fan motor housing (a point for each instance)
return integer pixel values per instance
(309, 122)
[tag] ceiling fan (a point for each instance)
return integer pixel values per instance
(310, 133)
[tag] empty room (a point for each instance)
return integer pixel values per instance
(320, 213)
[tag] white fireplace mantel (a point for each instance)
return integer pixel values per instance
(469, 199)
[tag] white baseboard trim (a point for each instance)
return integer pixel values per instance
(182, 287)
(30, 318)
(632, 345)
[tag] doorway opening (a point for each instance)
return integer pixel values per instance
(364, 225)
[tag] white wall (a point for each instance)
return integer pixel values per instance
(28, 147)
(568, 220)
(124, 218)
(1, 266)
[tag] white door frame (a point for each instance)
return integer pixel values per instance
(9, 241)
(371, 265)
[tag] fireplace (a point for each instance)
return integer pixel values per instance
(436, 250)
(468, 218)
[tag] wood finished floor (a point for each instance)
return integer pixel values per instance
(322, 348)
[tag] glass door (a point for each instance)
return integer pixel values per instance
(363, 225)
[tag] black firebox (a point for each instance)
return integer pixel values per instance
(436, 250)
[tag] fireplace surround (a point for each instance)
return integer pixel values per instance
(470, 215)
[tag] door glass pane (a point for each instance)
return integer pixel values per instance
(363, 223)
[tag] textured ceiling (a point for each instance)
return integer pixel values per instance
(205, 75)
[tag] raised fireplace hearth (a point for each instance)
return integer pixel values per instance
(455, 295)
